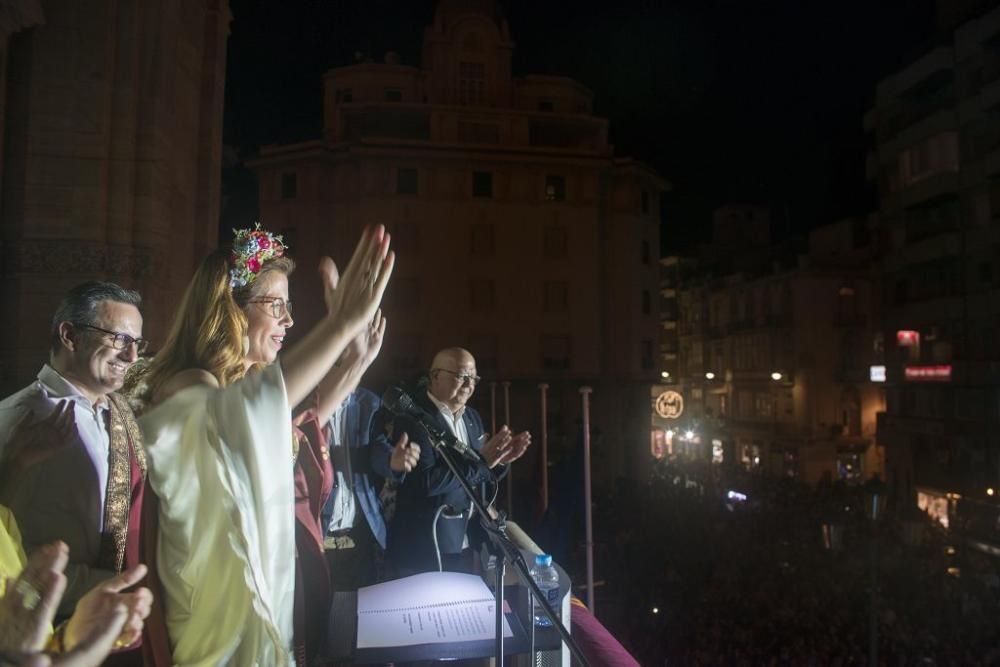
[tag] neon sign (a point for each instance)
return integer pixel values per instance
(907, 338)
(940, 373)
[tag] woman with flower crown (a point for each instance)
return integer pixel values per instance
(220, 445)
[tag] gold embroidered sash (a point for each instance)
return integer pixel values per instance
(117, 505)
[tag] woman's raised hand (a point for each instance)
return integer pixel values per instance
(353, 298)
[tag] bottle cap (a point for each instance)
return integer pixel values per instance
(543, 560)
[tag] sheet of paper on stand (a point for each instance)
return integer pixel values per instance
(427, 608)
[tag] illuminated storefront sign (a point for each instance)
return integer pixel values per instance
(670, 405)
(877, 373)
(937, 505)
(940, 373)
(906, 338)
(657, 443)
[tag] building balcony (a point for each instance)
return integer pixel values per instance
(926, 121)
(921, 72)
(929, 188)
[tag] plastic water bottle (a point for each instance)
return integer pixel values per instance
(547, 578)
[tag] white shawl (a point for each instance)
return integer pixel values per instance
(220, 461)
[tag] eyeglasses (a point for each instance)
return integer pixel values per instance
(119, 341)
(461, 377)
(277, 304)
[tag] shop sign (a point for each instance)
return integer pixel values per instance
(906, 338)
(670, 405)
(939, 373)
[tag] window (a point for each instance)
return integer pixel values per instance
(763, 405)
(393, 95)
(555, 188)
(644, 252)
(644, 202)
(545, 105)
(483, 240)
(482, 184)
(345, 95)
(646, 355)
(555, 353)
(482, 295)
(289, 185)
(933, 155)
(556, 296)
(406, 181)
(554, 242)
(471, 83)
(647, 305)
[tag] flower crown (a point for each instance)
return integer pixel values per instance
(251, 248)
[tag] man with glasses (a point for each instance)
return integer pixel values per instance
(429, 529)
(72, 466)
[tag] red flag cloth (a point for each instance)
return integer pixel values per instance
(597, 644)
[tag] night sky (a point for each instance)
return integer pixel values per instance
(750, 102)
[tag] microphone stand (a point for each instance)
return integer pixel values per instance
(508, 552)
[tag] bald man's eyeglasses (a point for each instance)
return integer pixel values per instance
(461, 377)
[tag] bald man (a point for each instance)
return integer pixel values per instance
(431, 500)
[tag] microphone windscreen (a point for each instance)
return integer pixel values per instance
(398, 401)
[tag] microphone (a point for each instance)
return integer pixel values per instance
(402, 404)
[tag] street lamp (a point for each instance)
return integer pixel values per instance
(776, 376)
(710, 375)
(689, 435)
(665, 374)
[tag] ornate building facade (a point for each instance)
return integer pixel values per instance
(771, 352)
(520, 234)
(112, 141)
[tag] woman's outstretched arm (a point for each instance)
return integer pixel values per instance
(352, 301)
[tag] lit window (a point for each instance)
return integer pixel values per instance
(555, 188)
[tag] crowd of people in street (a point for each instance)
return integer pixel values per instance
(716, 581)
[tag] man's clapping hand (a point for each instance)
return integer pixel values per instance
(505, 447)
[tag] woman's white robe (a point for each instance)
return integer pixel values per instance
(220, 461)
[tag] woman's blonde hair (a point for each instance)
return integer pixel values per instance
(210, 324)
